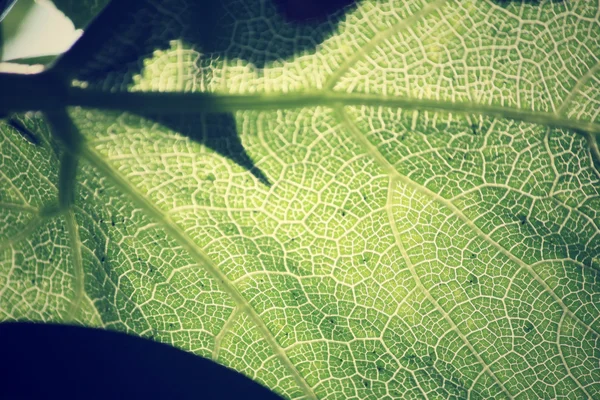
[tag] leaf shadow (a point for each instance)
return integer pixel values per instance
(68, 362)
(256, 31)
(217, 132)
(111, 51)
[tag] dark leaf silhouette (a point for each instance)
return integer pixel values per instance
(125, 32)
(217, 132)
(306, 10)
(69, 362)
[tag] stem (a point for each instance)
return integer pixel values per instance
(24, 92)
(66, 180)
(69, 135)
(46, 92)
(64, 129)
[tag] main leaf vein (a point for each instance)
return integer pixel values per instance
(200, 257)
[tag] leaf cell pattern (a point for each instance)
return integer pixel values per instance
(397, 253)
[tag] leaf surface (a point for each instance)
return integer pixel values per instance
(429, 231)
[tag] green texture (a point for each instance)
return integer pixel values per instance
(402, 201)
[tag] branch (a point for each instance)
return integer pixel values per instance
(45, 92)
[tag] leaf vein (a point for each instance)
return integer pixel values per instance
(564, 361)
(77, 262)
(382, 161)
(378, 38)
(577, 87)
(394, 178)
(200, 257)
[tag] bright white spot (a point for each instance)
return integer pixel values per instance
(45, 31)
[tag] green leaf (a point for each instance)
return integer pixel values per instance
(427, 225)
